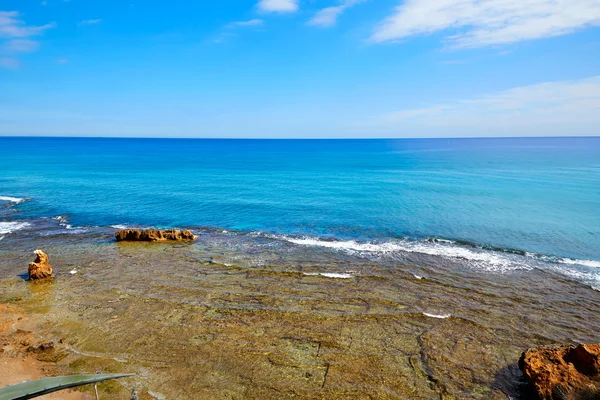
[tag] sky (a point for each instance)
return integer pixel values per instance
(300, 68)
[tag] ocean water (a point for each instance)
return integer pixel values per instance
(411, 269)
(498, 204)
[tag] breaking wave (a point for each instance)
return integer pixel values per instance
(10, 199)
(10, 227)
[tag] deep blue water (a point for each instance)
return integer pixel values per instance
(537, 195)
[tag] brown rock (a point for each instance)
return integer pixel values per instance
(40, 268)
(565, 372)
(153, 235)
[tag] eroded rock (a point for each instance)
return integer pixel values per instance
(565, 372)
(153, 235)
(40, 268)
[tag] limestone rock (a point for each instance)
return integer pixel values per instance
(40, 268)
(153, 235)
(565, 372)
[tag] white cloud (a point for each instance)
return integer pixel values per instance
(328, 16)
(476, 23)
(12, 26)
(15, 33)
(9, 63)
(281, 6)
(62, 60)
(20, 46)
(252, 22)
(86, 22)
(561, 107)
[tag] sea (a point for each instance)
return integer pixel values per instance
(492, 204)
(405, 268)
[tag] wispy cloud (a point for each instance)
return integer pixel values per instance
(20, 46)
(87, 22)
(231, 30)
(62, 60)
(279, 6)
(249, 23)
(9, 63)
(561, 107)
(477, 23)
(15, 32)
(11, 26)
(328, 16)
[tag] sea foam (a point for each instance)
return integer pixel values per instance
(485, 259)
(15, 200)
(438, 316)
(585, 263)
(10, 227)
(334, 275)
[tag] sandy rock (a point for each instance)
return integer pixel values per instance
(566, 372)
(153, 235)
(40, 268)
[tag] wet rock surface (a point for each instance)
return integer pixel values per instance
(565, 372)
(40, 268)
(153, 235)
(232, 317)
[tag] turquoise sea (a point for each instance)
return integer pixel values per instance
(492, 204)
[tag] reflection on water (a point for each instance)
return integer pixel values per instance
(243, 316)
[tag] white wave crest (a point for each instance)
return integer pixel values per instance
(485, 259)
(63, 221)
(10, 199)
(438, 316)
(10, 227)
(334, 275)
(585, 263)
(119, 226)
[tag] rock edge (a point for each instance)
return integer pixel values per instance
(563, 372)
(154, 235)
(40, 268)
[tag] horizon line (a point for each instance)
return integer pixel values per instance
(298, 138)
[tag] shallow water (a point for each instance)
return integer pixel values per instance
(237, 315)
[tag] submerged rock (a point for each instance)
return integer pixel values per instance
(40, 268)
(566, 372)
(153, 235)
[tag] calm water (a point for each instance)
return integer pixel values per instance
(540, 197)
(323, 269)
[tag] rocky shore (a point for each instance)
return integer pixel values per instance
(563, 372)
(211, 320)
(27, 355)
(154, 235)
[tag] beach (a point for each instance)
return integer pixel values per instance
(251, 311)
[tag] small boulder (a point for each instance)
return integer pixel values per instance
(153, 235)
(40, 268)
(565, 372)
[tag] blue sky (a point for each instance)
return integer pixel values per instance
(300, 68)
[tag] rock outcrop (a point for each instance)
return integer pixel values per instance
(566, 372)
(40, 268)
(153, 235)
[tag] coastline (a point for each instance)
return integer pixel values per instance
(391, 269)
(223, 318)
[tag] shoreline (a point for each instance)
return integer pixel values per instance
(485, 258)
(180, 317)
